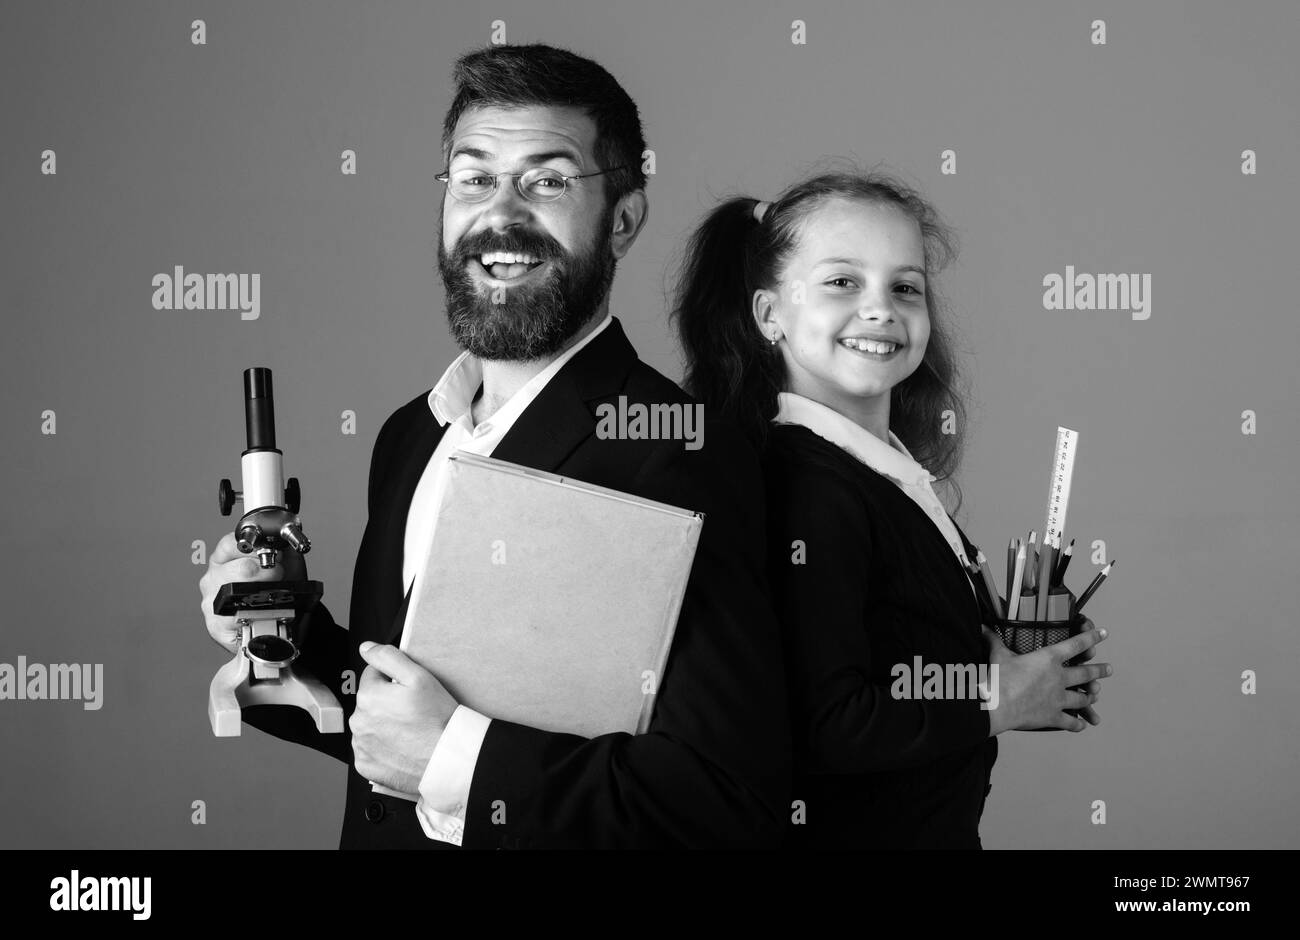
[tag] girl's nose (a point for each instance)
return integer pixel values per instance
(874, 311)
(875, 306)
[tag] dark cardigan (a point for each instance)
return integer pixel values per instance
(877, 586)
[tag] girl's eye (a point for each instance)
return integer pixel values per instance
(841, 282)
(912, 289)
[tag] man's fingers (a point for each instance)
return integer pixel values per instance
(1089, 714)
(238, 566)
(392, 662)
(225, 550)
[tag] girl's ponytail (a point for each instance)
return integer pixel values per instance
(730, 367)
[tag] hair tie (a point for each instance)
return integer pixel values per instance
(760, 210)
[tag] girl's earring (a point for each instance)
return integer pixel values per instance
(773, 339)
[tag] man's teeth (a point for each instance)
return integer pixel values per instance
(506, 265)
(869, 345)
(506, 257)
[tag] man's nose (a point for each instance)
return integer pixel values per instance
(506, 207)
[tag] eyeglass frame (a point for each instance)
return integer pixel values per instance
(445, 178)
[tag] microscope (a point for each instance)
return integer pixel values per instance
(262, 672)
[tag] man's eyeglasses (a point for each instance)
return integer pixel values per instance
(540, 184)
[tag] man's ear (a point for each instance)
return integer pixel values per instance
(629, 218)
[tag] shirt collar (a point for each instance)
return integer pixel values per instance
(454, 393)
(892, 459)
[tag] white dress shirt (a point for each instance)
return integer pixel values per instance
(445, 785)
(891, 460)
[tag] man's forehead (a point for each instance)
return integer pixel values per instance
(497, 130)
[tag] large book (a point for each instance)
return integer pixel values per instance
(548, 601)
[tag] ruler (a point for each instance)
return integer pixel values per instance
(1058, 489)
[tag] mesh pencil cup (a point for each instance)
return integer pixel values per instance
(1024, 636)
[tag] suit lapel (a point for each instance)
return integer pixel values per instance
(562, 416)
(412, 453)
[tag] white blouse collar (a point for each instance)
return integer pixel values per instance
(892, 459)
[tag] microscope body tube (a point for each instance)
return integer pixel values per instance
(263, 478)
(262, 463)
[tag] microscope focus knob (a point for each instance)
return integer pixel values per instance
(226, 496)
(292, 495)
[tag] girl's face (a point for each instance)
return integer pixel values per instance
(852, 306)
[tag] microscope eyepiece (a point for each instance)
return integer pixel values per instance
(259, 408)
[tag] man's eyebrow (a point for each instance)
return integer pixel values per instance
(859, 263)
(470, 152)
(563, 153)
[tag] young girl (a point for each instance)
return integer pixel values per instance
(812, 321)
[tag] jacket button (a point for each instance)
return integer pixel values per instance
(374, 811)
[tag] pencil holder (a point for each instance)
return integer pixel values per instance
(1024, 636)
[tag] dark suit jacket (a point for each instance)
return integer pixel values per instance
(878, 586)
(713, 769)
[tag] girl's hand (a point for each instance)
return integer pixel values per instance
(1034, 689)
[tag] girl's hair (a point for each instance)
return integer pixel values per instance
(731, 367)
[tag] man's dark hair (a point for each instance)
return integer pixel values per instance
(537, 74)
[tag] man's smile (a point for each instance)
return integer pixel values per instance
(508, 268)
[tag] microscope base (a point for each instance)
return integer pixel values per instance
(241, 683)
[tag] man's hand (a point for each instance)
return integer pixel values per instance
(401, 711)
(227, 564)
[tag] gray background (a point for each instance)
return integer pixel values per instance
(225, 157)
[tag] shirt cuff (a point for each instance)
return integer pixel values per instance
(444, 788)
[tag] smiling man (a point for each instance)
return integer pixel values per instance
(544, 194)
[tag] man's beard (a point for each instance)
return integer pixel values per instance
(526, 322)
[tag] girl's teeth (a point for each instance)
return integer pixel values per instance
(871, 346)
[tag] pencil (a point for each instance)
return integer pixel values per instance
(989, 582)
(1096, 583)
(1031, 559)
(1013, 599)
(1064, 562)
(1043, 581)
(1011, 563)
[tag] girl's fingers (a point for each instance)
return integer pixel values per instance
(1078, 675)
(1070, 723)
(1076, 700)
(1068, 649)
